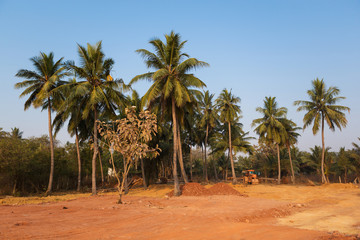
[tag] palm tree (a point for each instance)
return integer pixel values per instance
(229, 111)
(322, 107)
(16, 133)
(270, 127)
(208, 120)
(291, 139)
(172, 82)
(78, 127)
(239, 140)
(3, 133)
(41, 85)
(99, 92)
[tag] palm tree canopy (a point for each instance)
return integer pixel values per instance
(240, 141)
(207, 109)
(291, 134)
(41, 82)
(227, 106)
(270, 127)
(323, 104)
(16, 133)
(99, 91)
(171, 77)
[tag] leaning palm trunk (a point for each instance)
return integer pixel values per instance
(234, 181)
(49, 189)
(323, 178)
(291, 165)
(182, 168)
(177, 191)
(205, 162)
(279, 167)
(79, 160)
(93, 162)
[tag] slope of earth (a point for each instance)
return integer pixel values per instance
(332, 207)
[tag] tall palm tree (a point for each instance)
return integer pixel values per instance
(323, 107)
(172, 82)
(208, 120)
(78, 127)
(41, 85)
(290, 139)
(229, 111)
(100, 93)
(270, 127)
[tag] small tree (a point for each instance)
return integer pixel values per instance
(129, 136)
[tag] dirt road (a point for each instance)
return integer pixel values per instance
(271, 212)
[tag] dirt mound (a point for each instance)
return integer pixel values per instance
(195, 189)
(191, 189)
(224, 189)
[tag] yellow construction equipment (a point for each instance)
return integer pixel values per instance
(250, 177)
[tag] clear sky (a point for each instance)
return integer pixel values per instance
(256, 48)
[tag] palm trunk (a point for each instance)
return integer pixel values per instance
(182, 168)
(49, 189)
(79, 160)
(191, 163)
(323, 179)
(279, 167)
(202, 156)
(345, 177)
(93, 162)
(101, 169)
(234, 181)
(226, 167)
(177, 191)
(205, 162)
(125, 185)
(291, 165)
(143, 173)
(215, 171)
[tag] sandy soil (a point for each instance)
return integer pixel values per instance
(270, 212)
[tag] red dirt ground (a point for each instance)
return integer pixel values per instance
(186, 217)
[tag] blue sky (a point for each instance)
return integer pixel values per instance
(256, 48)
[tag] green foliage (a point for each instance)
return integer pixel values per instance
(323, 105)
(270, 127)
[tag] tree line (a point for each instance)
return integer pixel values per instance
(85, 93)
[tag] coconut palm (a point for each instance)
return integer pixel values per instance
(229, 111)
(100, 93)
(208, 120)
(240, 141)
(270, 127)
(172, 82)
(3, 133)
(323, 107)
(71, 110)
(16, 133)
(291, 139)
(41, 85)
